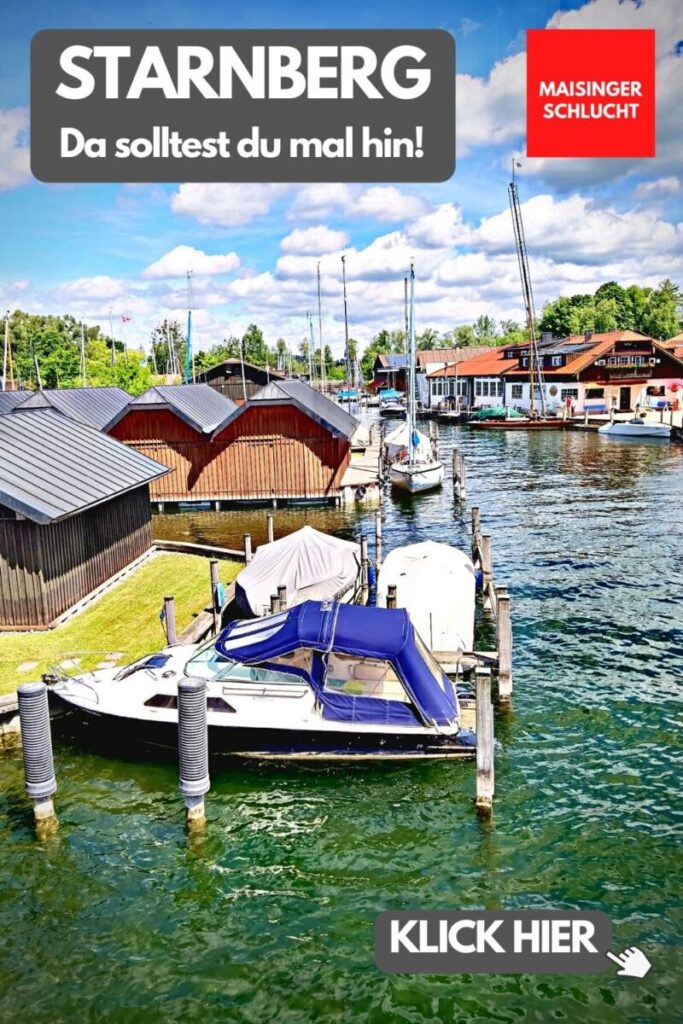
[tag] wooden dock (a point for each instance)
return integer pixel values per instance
(363, 477)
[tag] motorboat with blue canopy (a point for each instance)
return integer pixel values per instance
(322, 680)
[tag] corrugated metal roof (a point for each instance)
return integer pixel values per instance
(52, 466)
(235, 365)
(11, 399)
(95, 406)
(201, 406)
(310, 401)
(393, 360)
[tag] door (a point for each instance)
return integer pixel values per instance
(624, 399)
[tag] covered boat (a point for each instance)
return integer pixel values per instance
(436, 585)
(636, 427)
(397, 441)
(322, 680)
(310, 564)
(392, 402)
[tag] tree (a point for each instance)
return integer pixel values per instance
(485, 330)
(254, 346)
(661, 314)
(281, 354)
(428, 339)
(168, 348)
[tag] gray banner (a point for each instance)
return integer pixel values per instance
(492, 942)
(220, 105)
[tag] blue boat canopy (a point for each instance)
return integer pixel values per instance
(390, 395)
(379, 633)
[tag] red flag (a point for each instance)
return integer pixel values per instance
(125, 319)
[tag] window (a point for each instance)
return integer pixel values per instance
(517, 390)
(208, 663)
(569, 393)
(556, 361)
(170, 701)
(363, 677)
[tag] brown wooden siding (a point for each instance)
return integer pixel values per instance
(268, 452)
(44, 570)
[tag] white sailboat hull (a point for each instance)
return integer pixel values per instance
(640, 429)
(417, 476)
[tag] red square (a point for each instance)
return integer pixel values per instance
(590, 92)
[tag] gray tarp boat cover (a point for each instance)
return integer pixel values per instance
(312, 565)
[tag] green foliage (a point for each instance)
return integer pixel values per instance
(654, 312)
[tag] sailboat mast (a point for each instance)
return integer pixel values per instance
(527, 294)
(5, 352)
(320, 335)
(411, 370)
(405, 315)
(83, 370)
(347, 357)
(113, 344)
(188, 347)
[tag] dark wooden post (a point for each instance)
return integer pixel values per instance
(476, 532)
(282, 597)
(391, 595)
(484, 729)
(215, 600)
(274, 603)
(169, 619)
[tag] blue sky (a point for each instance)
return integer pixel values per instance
(254, 249)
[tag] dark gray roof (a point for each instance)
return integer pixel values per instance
(95, 406)
(201, 406)
(310, 401)
(52, 466)
(11, 399)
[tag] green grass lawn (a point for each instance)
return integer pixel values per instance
(123, 621)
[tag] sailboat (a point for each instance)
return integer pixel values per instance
(415, 472)
(503, 418)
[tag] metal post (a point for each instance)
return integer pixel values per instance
(169, 619)
(484, 729)
(391, 595)
(378, 538)
(215, 600)
(193, 748)
(282, 597)
(248, 553)
(504, 632)
(364, 575)
(270, 526)
(39, 769)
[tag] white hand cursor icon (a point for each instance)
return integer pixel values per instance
(633, 962)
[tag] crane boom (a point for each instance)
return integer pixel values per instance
(535, 367)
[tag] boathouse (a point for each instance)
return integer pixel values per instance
(389, 370)
(287, 442)
(236, 379)
(95, 406)
(9, 400)
(436, 375)
(74, 512)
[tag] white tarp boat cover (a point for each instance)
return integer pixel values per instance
(397, 441)
(312, 565)
(435, 583)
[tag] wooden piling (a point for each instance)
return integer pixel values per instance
(391, 595)
(378, 538)
(274, 604)
(476, 532)
(270, 526)
(282, 597)
(486, 566)
(364, 573)
(248, 552)
(463, 477)
(215, 599)
(169, 620)
(485, 754)
(504, 644)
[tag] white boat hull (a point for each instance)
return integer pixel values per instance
(416, 477)
(640, 429)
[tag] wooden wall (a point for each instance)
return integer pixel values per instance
(44, 570)
(268, 452)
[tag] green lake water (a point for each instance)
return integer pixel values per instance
(268, 916)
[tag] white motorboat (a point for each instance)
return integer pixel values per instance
(312, 565)
(636, 427)
(321, 681)
(436, 584)
(414, 472)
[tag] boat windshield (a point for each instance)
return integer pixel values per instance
(429, 659)
(210, 664)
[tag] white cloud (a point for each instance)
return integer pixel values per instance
(670, 186)
(491, 111)
(578, 228)
(440, 228)
(99, 288)
(178, 261)
(314, 241)
(14, 165)
(383, 203)
(226, 205)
